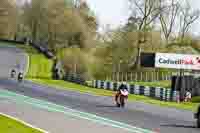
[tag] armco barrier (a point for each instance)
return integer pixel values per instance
(162, 94)
(12, 41)
(77, 79)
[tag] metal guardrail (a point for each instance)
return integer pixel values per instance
(74, 78)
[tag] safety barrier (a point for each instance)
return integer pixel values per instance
(162, 94)
(13, 41)
(74, 78)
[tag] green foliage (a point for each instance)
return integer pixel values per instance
(39, 65)
(7, 19)
(75, 60)
(196, 99)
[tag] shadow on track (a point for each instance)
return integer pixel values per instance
(178, 126)
(106, 106)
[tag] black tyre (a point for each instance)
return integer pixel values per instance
(198, 121)
(122, 102)
(118, 105)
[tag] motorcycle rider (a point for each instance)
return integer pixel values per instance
(20, 76)
(122, 87)
(13, 73)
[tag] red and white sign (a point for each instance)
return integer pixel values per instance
(177, 61)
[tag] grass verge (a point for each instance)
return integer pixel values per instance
(39, 66)
(100, 92)
(8, 125)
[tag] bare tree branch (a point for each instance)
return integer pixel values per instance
(187, 18)
(167, 18)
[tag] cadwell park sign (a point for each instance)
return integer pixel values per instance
(179, 82)
(177, 61)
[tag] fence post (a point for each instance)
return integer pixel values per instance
(122, 76)
(146, 76)
(126, 76)
(157, 76)
(118, 77)
(135, 76)
(166, 76)
(131, 76)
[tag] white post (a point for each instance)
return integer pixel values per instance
(135, 76)
(118, 77)
(126, 76)
(146, 76)
(131, 76)
(122, 77)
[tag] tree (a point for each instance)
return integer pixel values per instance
(7, 19)
(88, 16)
(35, 18)
(188, 17)
(65, 27)
(168, 17)
(144, 13)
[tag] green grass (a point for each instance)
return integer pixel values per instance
(196, 99)
(100, 92)
(163, 84)
(39, 66)
(8, 125)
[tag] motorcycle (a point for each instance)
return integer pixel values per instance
(13, 73)
(122, 96)
(20, 77)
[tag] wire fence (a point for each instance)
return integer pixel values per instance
(144, 76)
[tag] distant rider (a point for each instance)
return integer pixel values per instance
(13, 73)
(20, 76)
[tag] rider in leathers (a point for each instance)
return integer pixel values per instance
(121, 87)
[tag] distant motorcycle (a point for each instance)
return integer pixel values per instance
(20, 77)
(122, 97)
(13, 73)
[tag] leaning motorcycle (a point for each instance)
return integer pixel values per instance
(123, 96)
(20, 77)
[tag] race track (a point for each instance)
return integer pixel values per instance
(136, 114)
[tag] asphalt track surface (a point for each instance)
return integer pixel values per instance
(136, 114)
(11, 58)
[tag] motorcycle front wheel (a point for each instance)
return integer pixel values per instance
(122, 101)
(198, 121)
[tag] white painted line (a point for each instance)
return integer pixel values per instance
(27, 63)
(23, 122)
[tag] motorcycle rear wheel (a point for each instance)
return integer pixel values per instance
(198, 121)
